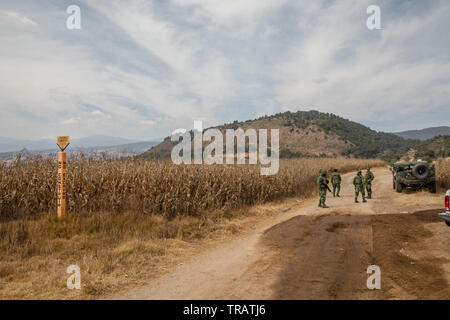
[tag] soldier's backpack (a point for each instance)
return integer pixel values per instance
(358, 180)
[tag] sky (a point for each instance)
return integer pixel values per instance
(141, 69)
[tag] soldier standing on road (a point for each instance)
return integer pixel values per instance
(368, 181)
(336, 181)
(322, 182)
(358, 182)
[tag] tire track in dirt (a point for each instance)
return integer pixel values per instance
(330, 262)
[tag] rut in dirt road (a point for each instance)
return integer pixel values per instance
(323, 257)
(328, 257)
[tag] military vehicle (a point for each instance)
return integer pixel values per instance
(413, 174)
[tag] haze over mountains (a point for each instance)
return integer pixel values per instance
(89, 144)
(424, 134)
(11, 145)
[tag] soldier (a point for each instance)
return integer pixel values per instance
(358, 182)
(336, 181)
(322, 182)
(368, 181)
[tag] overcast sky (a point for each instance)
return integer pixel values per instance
(140, 69)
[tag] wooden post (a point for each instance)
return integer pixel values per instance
(61, 200)
(62, 194)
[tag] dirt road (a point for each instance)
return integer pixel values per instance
(316, 253)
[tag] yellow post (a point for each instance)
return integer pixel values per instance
(61, 201)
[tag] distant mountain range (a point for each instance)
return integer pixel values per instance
(12, 145)
(112, 146)
(424, 134)
(128, 148)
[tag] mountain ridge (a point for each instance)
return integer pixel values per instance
(315, 134)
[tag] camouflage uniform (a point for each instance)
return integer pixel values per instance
(336, 181)
(322, 181)
(368, 180)
(358, 182)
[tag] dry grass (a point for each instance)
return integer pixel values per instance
(156, 187)
(115, 252)
(443, 173)
(109, 249)
(417, 198)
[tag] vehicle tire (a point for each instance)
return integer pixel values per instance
(393, 184)
(432, 187)
(447, 223)
(420, 171)
(398, 186)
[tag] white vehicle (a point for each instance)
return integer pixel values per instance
(446, 215)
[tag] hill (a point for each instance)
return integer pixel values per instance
(424, 134)
(316, 134)
(434, 148)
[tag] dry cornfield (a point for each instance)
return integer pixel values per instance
(156, 187)
(443, 173)
(169, 212)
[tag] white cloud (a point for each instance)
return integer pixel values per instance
(71, 121)
(376, 79)
(19, 17)
(270, 31)
(234, 15)
(144, 68)
(98, 113)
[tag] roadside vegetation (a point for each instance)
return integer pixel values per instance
(131, 220)
(443, 173)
